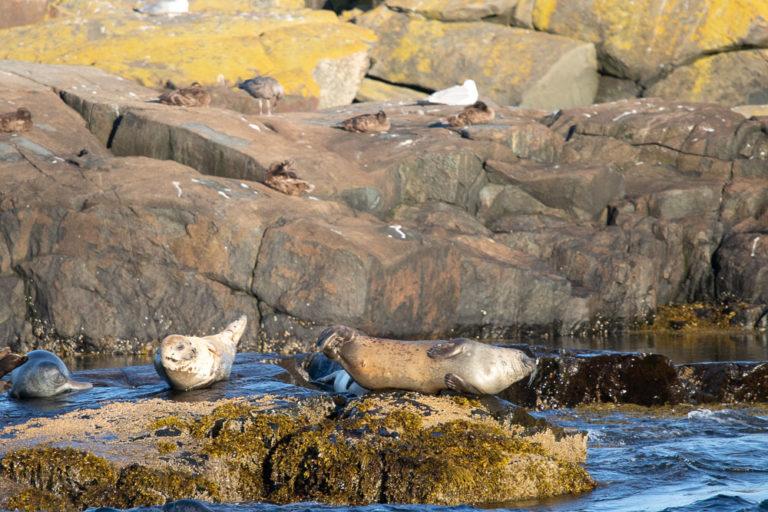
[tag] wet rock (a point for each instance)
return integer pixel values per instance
(568, 380)
(725, 382)
(547, 72)
(364, 451)
(742, 261)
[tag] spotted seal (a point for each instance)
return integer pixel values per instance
(189, 362)
(427, 366)
(43, 375)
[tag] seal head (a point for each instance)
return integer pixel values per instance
(333, 339)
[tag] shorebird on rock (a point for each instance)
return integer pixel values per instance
(282, 178)
(193, 96)
(19, 121)
(263, 88)
(459, 95)
(367, 123)
(161, 7)
(478, 113)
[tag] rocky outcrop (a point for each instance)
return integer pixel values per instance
(312, 53)
(393, 447)
(546, 71)
(548, 222)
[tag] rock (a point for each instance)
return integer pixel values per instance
(583, 193)
(613, 89)
(725, 382)
(547, 71)
(528, 139)
(362, 451)
(667, 34)
(731, 78)
(378, 91)
(23, 12)
(741, 262)
(457, 10)
(329, 69)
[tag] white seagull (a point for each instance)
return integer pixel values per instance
(164, 7)
(464, 94)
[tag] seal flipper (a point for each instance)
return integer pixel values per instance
(447, 349)
(456, 383)
(76, 385)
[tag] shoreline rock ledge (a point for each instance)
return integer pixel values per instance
(391, 448)
(584, 219)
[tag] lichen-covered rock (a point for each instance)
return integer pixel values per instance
(23, 12)
(457, 10)
(731, 78)
(310, 52)
(377, 91)
(650, 37)
(546, 71)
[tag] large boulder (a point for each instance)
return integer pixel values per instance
(23, 12)
(731, 78)
(311, 52)
(458, 10)
(546, 71)
(647, 39)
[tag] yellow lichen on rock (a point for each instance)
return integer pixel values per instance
(202, 47)
(644, 40)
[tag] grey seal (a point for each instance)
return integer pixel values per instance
(190, 362)
(426, 366)
(43, 375)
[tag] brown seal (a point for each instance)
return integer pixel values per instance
(478, 113)
(427, 366)
(193, 96)
(19, 121)
(281, 177)
(367, 123)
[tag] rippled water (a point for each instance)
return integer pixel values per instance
(713, 460)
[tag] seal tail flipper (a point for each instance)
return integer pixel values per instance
(456, 383)
(76, 385)
(447, 349)
(534, 373)
(236, 329)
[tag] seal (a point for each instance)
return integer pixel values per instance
(193, 96)
(474, 114)
(460, 364)
(189, 362)
(14, 122)
(43, 375)
(281, 177)
(367, 123)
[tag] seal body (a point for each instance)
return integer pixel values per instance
(189, 362)
(367, 123)
(426, 366)
(43, 375)
(13, 122)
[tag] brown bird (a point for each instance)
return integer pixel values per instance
(192, 96)
(281, 177)
(19, 121)
(263, 88)
(478, 113)
(367, 123)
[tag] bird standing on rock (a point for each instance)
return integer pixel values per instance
(475, 114)
(281, 177)
(263, 88)
(193, 96)
(19, 121)
(367, 123)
